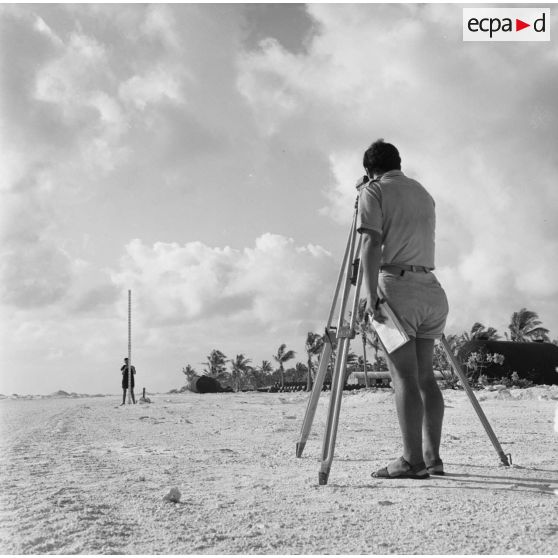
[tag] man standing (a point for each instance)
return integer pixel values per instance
(396, 219)
(125, 382)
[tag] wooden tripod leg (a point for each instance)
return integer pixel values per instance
(475, 403)
(334, 410)
(344, 335)
(327, 348)
(314, 397)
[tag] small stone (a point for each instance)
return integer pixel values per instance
(173, 496)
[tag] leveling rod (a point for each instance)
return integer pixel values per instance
(129, 347)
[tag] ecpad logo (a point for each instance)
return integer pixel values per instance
(506, 24)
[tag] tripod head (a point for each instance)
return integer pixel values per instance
(362, 181)
(359, 184)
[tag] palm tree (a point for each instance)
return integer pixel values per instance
(489, 334)
(259, 374)
(455, 342)
(368, 335)
(479, 331)
(189, 372)
(265, 367)
(351, 364)
(363, 327)
(215, 366)
(313, 345)
(281, 357)
(264, 371)
(352, 358)
(441, 361)
(300, 370)
(371, 336)
(240, 367)
(525, 326)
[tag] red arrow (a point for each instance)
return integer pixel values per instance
(519, 25)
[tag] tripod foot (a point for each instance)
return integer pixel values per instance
(506, 459)
(300, 448)
(322, 478)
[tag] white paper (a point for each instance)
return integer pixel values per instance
(391, 333)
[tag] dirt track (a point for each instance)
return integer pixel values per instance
(87, 476)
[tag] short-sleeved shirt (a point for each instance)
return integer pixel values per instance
(403, 212)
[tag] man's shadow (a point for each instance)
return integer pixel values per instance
(471, 481)
(527, 484)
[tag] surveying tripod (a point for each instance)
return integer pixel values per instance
(339, 337)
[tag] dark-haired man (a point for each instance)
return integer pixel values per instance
(397, 221)
(125, 383)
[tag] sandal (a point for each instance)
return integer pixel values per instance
(417, 471)
(436, 467)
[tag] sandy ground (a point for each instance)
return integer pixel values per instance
(83, 475)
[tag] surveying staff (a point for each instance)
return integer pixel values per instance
(125, 382)
(396, 219)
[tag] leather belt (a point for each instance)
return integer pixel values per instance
(402, 268)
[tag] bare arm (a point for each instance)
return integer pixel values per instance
(371, 253)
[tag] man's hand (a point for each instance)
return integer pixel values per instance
(374, 310)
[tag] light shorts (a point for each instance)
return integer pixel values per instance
(418, 300)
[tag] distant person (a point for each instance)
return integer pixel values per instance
(124, 371)
(397, 222)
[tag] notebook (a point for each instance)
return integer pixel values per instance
(391, 332)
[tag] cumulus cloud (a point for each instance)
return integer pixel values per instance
(273, 282)
(80, 67)
(93, 100)
(37, 275)
(342, 194)
(96, 298)
(156, 86)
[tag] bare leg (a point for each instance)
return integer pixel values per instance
(123, 397)
(133, 396)
(408, 401)
(432, 399)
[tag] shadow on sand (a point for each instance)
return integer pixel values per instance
(533, 481)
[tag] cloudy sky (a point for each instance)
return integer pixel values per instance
(204, 157)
